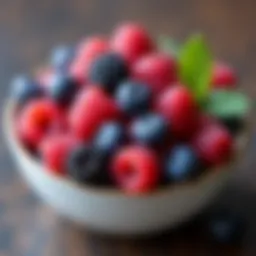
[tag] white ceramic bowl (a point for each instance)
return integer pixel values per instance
(109, 210)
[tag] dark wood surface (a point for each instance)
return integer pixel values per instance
(28, 30)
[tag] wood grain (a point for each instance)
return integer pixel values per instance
(29, 29)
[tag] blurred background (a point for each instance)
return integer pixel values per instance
(30, 29)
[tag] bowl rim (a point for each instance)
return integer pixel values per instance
(11, 138)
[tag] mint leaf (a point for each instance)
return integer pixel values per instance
(227, 104)
(195, 66)
(168, 45)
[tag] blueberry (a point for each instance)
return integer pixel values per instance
(24, 89)
(181, 164)
(226, 227)
(133, 97)
(62, 88)
(110, 136)
(149, 129)
(87, 165)
(61, 57)
(108, 71)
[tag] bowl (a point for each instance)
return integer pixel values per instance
(110, 210)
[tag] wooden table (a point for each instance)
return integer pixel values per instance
(29, 29)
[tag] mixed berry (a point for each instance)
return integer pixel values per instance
(124, 111)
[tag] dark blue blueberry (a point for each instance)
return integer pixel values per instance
(108, 71)
(62, 88)
(226, 227)
(61, 57)
(24, 89)
(181, 164)
(149, 129)
(87, 165)
(133, 97)
(110, 136)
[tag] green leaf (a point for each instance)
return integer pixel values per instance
(168, 45)
(227, 104)
(195, 66)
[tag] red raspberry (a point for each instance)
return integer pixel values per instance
(156, 70)
(90, 110)
(77, 71)
(36, 119)
(131, 41)
(213, 143)
(136, 169)
(54, 151)
(92, 47)
(60, 125)
(27, 135)
(88, 51)
(223, 76)
(180, 110)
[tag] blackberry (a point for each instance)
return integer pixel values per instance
(87, 165)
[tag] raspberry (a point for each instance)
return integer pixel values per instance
(223, 76)
(156, 70)
(179, 108)
(54, 151)
(136, 169)
(131, 41)
(28, 135)
(77, 71)
(91, 48)
(92, 108)
(213, 144)
(87, 52)
(36, 119)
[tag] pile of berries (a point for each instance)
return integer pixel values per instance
(113, 111)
